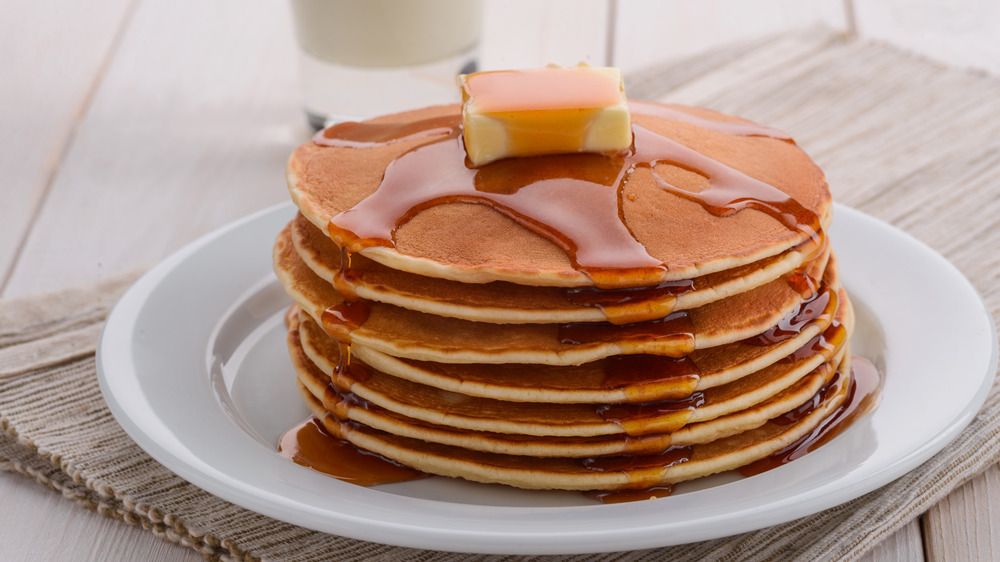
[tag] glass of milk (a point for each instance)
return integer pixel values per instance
(361, 58)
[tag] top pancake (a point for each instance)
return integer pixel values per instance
(503, 302)
(663, 220)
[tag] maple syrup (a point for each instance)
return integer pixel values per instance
(807, 312)
(548, 195)
(308, 444)
(681, 374)
(661, 416)
(674, 331)
(865, 382)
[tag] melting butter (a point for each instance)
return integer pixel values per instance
(552, 110)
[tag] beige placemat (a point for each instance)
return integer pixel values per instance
(909, 141)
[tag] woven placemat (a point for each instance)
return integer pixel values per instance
(912, 142)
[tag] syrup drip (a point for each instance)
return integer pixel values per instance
(824, 343)
(674, 333)
(801, 282)
(652, 417)
(346, 279)
(865, 383)
(339, 403)
(347, 372)
(799, 279)
(729, 191)
(809, 406)
(627, 371)
(622, 496)
(809, 311)
(343, 318)
(308, 444)
(548, 195)
(602, 298)
(632, 304)
(671, 456)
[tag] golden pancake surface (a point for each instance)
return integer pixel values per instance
(503, 302)
(411, 203)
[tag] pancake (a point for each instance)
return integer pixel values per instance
(503, 302)
(574, 321)
(662, 212)
(349, 407)
(405, 333)
(620, 378)
(543, 418)
(672, 465)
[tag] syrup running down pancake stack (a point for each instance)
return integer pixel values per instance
(595, 322)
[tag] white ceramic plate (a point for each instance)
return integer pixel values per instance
(193, 364)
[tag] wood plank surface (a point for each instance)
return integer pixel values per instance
(964, 526)
(189, 129)
(52, 56)
(38, 524)
(957, 33)
(648, 31)
(904, 545)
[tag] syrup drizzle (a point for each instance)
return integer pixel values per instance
(662, 416)
(729, 191)
(673, 334)
(635, 418)
(347, 372)
(309, 444)
(628, 371)
(523, 189)
(644, 473)
(824, 343)
(343, 318)
(800, 278)
(548, 195)
(631, 304)
(809, 406)
(820, 304)
(865, 382)
(345, 278)
(672, 455)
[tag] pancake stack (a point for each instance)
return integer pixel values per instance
(579, 321)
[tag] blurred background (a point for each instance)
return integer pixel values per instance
(137, 97)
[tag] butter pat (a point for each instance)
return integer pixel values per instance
(539, 111)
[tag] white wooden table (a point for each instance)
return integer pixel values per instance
(131, 127)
